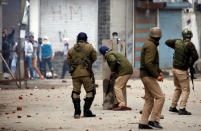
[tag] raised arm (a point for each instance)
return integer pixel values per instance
(171, 43)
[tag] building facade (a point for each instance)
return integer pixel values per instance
(171, 17)
(98, 18)
(132, 19)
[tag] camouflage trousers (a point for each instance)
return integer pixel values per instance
(77, 84)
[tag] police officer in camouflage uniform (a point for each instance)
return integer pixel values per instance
(150, 73)
(121, 69)
(80, 59)
(184, 57)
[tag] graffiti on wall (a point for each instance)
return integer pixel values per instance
(66, 13)
(62, 35)
(65, 19)
(75, 11)
(55, 11)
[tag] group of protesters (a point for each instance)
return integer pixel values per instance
(38, 54)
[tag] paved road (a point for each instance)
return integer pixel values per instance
(47, 106)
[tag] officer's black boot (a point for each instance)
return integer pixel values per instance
(184, 112)
(155, 124)
(142, 126)
(87, 105)
(76, 102)
(173, 109)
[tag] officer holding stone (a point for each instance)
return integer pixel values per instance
(150, 73)
(184, 57)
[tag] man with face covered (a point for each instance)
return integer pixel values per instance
(117, 44)
(150, 73)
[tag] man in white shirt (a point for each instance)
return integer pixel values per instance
(28, 48)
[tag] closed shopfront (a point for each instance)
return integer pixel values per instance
(61, 19)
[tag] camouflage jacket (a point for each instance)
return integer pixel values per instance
(80, 58)
(118, 63)
(183, 58)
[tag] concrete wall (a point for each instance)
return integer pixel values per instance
(118, 18)
(35, 18)
(130, 31)
(121, 13)
(11, 16)
(67, 18)
(189, 21)
(198, 19)
(103, 19)
(112, 15)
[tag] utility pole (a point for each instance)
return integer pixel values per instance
(21, 67)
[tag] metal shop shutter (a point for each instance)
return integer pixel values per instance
(66, 18)
(169, 31)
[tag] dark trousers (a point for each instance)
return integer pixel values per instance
(39, 64)
(49, 63)
(65, 68)
(5, 70)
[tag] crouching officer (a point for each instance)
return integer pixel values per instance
(80, 59)
(150, 73)
(122, 70)
(184, 57)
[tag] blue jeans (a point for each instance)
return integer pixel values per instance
(14, 65)
(28, 64)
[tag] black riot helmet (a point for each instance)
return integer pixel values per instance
(186, 33)
(82, 36)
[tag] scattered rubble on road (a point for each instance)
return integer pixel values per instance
(52, 109)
